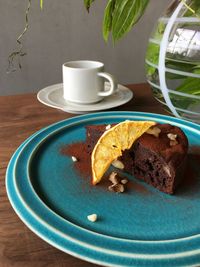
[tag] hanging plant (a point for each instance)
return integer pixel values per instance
(119, 18)
(18, 53)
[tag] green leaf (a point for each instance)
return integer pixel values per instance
(178, 65)
(193, 8)
(159, 30)
(107, 20)
(191, 85)
(88, 4)
(126, 14)
(41, 4)
(152, 55)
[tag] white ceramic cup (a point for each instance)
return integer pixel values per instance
(83, 82)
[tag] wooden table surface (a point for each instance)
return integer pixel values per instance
(21, 116)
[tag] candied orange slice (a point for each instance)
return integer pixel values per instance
(113, 142)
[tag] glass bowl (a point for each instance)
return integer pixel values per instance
(173, 60)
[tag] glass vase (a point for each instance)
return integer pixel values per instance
(173, 60)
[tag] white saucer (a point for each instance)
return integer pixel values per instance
(53, 96)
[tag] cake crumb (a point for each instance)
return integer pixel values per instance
(74, 159)
(108, 127)
(92, 217)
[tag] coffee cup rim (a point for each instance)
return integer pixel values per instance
(91, 64)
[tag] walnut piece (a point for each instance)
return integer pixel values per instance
(172, 136)
(118, 183)
(118, 164)
(124, 181)
(154, 131)
(74, 159)
(92, 217)
(173, 143)
(113, 178)
(108, 127)
(118, 188)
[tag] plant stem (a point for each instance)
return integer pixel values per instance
(19, 53)
(191, 9)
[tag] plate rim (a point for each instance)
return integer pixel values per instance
(95, 115)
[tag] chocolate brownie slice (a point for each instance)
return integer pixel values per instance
(159, 161)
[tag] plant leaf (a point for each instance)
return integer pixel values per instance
(41, 4)
(126, 14)
(191, 85)
(88, 4)
(193, 8)
(107, 20)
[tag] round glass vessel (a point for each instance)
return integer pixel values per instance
(173, 59)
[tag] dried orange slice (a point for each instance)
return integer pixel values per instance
(111, 144)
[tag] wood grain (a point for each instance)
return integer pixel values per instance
(20, 116)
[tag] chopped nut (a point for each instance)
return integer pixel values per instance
(118, 188)
(172, 136)
(113, 178)
(173, 143)
(154, 131)
(118, 164)
(92, 217)
(74, 159)
(108, 127)
(111, 188)
(124, 181)
(167, 170)
(118, 183)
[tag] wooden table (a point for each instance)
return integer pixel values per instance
(20, 116)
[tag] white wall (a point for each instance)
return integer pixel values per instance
(64, 31)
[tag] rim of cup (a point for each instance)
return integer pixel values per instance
(83, 64)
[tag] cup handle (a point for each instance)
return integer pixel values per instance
(113, 84)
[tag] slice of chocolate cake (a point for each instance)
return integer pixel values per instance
(160, 161)
(93, 133)
(157, 157)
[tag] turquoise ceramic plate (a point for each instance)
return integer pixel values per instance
(142, 227)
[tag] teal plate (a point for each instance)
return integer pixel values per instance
(137, 228)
